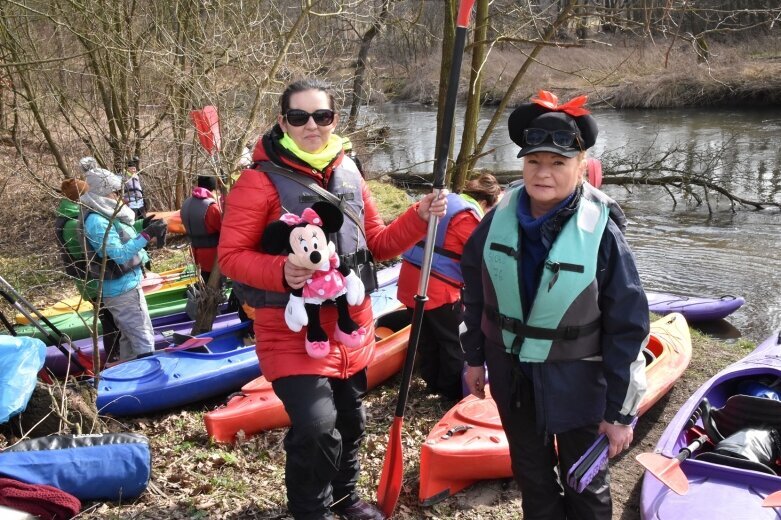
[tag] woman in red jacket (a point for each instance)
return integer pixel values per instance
(299, 161)
(439, 349)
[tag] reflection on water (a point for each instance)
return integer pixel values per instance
(681, 250)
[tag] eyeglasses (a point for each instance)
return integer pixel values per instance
(322, 117)
(563, 138)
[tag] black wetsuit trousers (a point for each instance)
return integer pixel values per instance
(327, 427)
(441, 358)
(536, 461)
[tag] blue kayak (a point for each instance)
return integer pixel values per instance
(170, 379)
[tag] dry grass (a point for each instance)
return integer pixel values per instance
(625, 73)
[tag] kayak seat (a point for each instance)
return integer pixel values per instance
(739, 412)
(746, 411)
(753, 449)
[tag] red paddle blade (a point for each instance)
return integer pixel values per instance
(668, 471)
(207, 124)
(392, 471)
(190, 343)
(772, 500)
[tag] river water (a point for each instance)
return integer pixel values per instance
(683, 249)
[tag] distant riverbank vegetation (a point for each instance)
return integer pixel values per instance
(117, 79)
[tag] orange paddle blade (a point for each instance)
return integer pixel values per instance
(772, 500)
(392, 471)
(668, 471)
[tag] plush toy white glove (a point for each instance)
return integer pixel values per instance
(295, 314)
(356, 292)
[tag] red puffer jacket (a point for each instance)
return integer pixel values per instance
(251, 205)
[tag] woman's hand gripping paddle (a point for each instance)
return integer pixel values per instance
(393, 467)
(668, 470)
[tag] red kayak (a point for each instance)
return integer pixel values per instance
(468, 444)
(257, 408)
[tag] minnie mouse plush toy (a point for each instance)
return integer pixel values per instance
(304, 239)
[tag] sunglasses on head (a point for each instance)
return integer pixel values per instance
(322, 117)
(563, 138)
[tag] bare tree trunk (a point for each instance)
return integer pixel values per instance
(359, 79)
(562, 17)
(448, 40)
(466, 156)
(208, 301)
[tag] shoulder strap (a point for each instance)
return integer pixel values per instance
(270, 167)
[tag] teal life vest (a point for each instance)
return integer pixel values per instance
(445, 264)
(564, 320)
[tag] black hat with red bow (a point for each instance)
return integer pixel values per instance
(543, 125)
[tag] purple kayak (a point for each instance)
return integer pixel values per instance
(721, 486)
(693, 308)
(57, 363)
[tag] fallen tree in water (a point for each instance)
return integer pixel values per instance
(698, 175)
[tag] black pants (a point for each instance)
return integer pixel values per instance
(536, 463)
(439, 350)
(327, 427)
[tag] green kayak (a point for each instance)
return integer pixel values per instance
(77, 326)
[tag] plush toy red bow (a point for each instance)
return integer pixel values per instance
(308, 215)
(573, 107)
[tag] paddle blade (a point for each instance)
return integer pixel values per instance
(192, 342)
(392, 471)
(668, 471)
(207, 124)
(772, 500)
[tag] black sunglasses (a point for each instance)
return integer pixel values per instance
(563, 138)
(322, 117)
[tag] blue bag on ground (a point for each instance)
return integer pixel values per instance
(111, 466)
(21, 358)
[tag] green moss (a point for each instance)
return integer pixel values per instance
(391, 201)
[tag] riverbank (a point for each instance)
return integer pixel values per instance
(619, 72)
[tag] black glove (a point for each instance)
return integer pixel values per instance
(157, 228)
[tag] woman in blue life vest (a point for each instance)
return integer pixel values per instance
(439, 350)
(555, 309)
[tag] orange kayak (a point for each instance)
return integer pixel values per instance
(257, 408)
(468, 444)
(172, 218)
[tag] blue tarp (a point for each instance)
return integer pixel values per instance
(21, 358)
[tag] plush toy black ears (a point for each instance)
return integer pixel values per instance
(276, 238)
(332, 217)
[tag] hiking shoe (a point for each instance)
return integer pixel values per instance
(359, 511)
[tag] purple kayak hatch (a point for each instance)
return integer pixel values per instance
(694, 308)
(715, 490)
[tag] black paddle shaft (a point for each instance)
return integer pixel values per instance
(440, 168)
(14, 298)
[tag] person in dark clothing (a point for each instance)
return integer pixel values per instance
(439, 349)
(134, 192)
(555, 309)
(202, 219)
